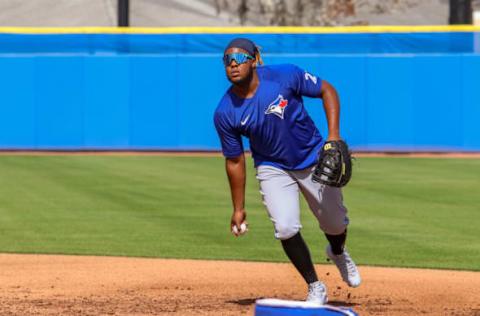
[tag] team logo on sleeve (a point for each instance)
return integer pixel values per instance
(277, 107)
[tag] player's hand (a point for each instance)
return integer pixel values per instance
(238, 218)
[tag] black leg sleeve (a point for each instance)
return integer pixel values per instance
(298, 253)
(337, 242)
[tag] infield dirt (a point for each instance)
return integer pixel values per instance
(79, 285)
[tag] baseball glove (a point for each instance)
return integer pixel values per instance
(334, 167)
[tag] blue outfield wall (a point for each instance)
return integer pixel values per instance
(162, 101)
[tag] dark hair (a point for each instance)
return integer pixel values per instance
(248, 46)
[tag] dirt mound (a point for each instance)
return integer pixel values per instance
(77, 285)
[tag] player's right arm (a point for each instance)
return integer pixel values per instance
(232, 149)
(235, 168)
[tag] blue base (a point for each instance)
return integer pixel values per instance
(287, 309)
(282, 311)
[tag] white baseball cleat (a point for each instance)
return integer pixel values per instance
(346, 266)
(317, 293)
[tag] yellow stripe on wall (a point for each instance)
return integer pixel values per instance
(245, 29)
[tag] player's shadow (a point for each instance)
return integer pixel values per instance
(244, 301)
(341, 304)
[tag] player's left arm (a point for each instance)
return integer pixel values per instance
(334, 167)
(331, 105)
(307, 84)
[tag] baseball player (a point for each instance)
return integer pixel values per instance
(264, 103)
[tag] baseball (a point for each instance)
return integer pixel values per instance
(243, 229)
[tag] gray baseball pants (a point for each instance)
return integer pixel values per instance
(280, 193)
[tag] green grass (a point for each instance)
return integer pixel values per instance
(404, 211)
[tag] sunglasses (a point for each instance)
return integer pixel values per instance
(240, 58)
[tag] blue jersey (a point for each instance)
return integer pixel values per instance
(280, 131)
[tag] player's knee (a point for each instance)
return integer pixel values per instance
(335, 227)
(283, 232)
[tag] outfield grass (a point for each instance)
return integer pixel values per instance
(404, 211)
